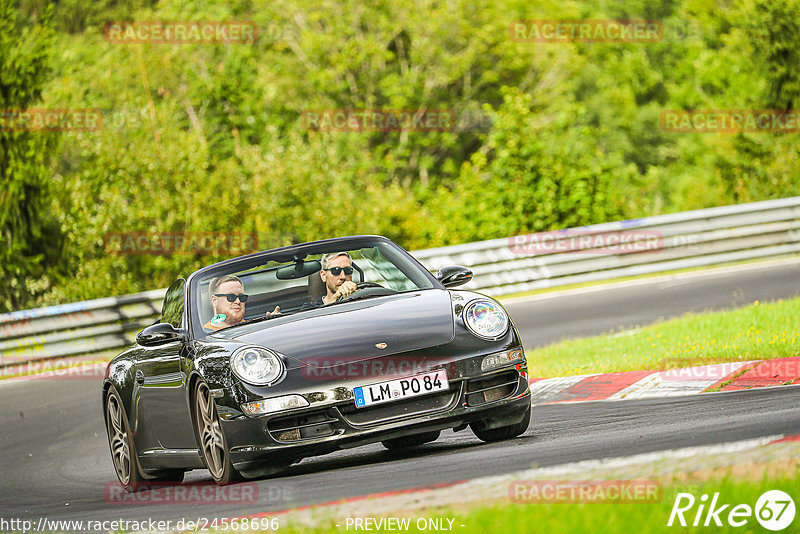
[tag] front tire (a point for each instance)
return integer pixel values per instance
(123, 450)
(211, 438)
(504, 432)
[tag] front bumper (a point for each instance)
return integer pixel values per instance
(499, 398)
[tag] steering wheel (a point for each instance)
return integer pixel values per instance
(362, 285)
(359, 287)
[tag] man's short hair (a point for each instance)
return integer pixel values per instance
(330, 255)
(213, 286)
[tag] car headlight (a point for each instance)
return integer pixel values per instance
(485, 319)
(257, 366)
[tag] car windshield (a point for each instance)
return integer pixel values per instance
(291, 282)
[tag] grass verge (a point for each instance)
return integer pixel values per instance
(615, 517)
(756, 332)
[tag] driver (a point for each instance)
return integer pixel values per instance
(228, 300)
(337, 274)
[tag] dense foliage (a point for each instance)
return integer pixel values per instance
(210, 137)
(31, 238)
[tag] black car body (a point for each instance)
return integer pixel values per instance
(173, 402)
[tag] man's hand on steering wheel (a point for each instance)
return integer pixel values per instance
(344, 290)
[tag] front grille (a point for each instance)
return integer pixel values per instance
(390, 410)
(310, 426)
(492, 388)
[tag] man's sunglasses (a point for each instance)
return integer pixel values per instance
(233, 296)
(336, 271)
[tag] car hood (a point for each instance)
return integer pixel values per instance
(354, 331)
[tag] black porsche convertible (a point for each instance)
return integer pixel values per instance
(260, 361)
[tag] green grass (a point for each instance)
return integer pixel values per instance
(756, 332)
(624, 518)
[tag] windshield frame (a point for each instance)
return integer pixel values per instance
(286, 254)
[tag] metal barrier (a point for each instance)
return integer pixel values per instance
(77, 328)
(661, 243)
(520, 263)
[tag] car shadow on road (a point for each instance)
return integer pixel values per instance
(376, 454)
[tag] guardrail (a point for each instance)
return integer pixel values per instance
(76, 328)
(661, 243)
(501, 266)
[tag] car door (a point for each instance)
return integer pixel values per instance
(163, 419)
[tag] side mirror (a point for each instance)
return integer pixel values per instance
(159, 334)
(454, 275)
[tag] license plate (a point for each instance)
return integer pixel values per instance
(401, 388)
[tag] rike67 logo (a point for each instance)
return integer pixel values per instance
(774, 510)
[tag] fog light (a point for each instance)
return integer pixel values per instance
(500, 359)
(494, 394)
(275, 404)
(289, 435)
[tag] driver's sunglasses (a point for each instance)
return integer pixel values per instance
(336, 271)
(233, 296)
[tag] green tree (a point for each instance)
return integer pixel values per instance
(774, 28)
(31, 237)
(210, 137)
(539, 169)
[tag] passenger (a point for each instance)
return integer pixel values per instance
(228, 300)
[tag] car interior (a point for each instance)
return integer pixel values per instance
(293, 285)
(266, 291)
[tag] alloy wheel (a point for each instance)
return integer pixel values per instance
(118, 439)
(211, 439)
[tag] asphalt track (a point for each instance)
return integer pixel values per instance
(54, 459)
(595, 310)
